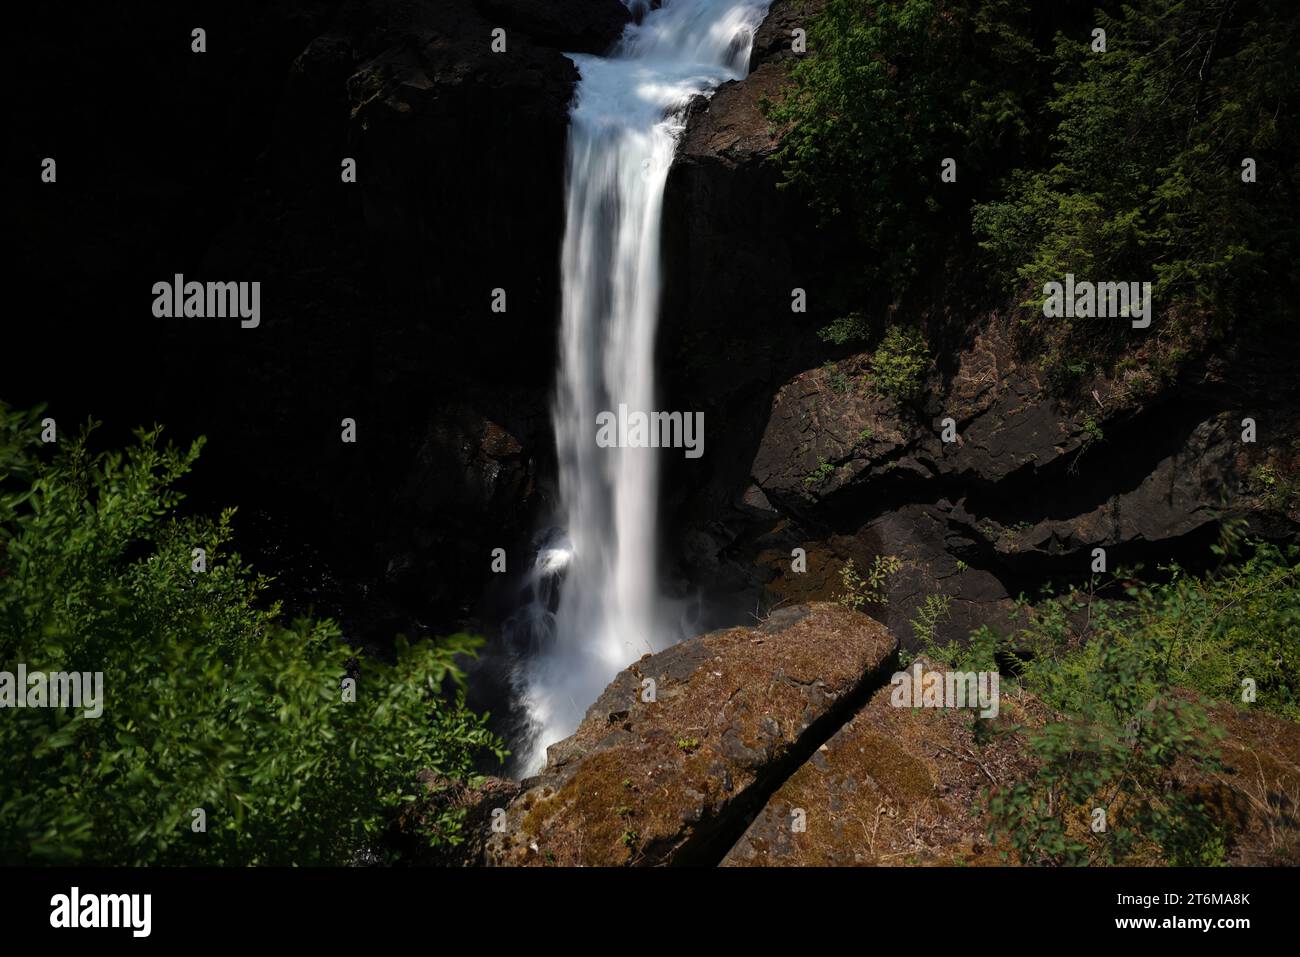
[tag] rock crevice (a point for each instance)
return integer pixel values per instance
(674, 779)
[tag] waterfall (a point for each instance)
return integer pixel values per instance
(591, 604)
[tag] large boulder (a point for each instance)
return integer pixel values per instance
(894, 786)
(906, 786)
(910, 786)
(670, 780)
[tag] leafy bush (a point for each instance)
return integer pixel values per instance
(1276, 489)
(1123, 165)
(1205, 633)
(878, 102)
(1092, 430)
(1109, 669)
(844, 329)
(899, 364)
(210, 701)
(1144, 180)
(1116, 761)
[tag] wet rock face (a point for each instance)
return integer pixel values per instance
(472, 481)
(669, 780)
(773, 41)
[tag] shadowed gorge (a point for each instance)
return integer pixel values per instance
(540, 433)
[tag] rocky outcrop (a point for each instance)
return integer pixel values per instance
(684, 743)
(910, 786)
(1031, 483)
(894, 786)
(1141, 457)
(782, 745)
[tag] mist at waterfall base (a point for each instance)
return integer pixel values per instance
(590, 604)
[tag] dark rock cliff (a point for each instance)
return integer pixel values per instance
(802, 453)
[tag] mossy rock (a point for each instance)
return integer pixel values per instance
(665, 781)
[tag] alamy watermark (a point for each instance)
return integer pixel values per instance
(208, 300)
(1108, 300)
(75, 909)
(651, 430)
(918, 688)
(53, 689)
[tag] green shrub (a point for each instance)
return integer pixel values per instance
(1206, 633)
(1123, 165)
(1116, 762)
(927, 617)
(1109, 670)
(845, 329)
(1143, 181)
(1276, 490)
(886, 91)
(899, 364)
(211, 701)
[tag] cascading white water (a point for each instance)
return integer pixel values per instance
(592, 604)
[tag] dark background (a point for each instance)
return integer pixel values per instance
(225, 166)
